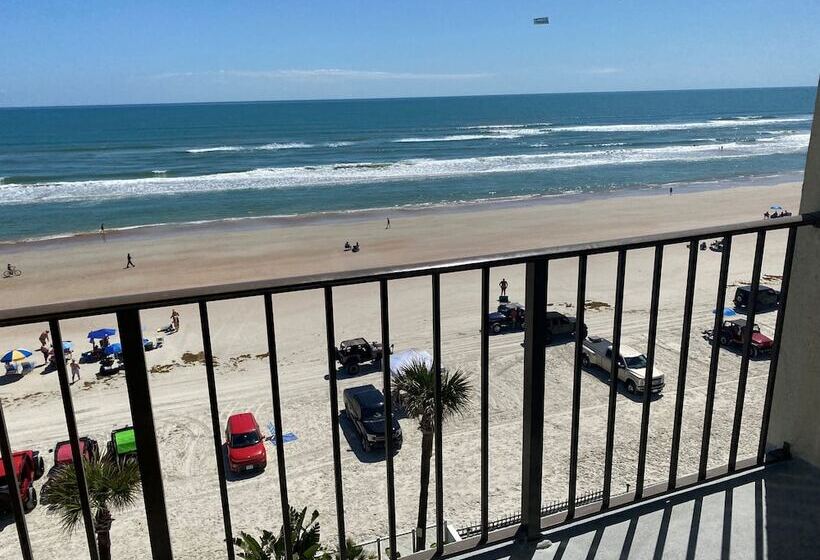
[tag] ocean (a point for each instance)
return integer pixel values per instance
(66, 170)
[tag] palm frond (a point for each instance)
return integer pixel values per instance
(110, 486)
(413, 388)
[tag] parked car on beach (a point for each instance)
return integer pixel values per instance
(246, 446)
(356, 351)
(508, 317)
(632, 364)
(89, 450)
(364, 406)
(767, 298)
(733, 333)
(28, 466)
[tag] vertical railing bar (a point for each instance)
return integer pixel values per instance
(73, 437)
(334, 421)
(576, 386)
(650, 368)
(139, 398)
(485, 404)
(613, 376)
(532, 437)
(436, 285)
(215, 426)
(686, 333)
(14, 488)
(751, 311)
(388, 416)
(713, 363)
(273, 363)
(778, 335)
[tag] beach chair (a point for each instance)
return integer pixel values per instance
(159, 342)
(26, 367)
(11, 368)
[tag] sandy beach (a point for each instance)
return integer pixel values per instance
(70, 270)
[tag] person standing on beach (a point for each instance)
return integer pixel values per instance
(102, 229)
(44, 338)
(175, 319)
(130, 263)
(503, 285)
(388, 224)
(75, 370)
(670, 191)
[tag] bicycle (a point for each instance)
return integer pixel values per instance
(12, 271)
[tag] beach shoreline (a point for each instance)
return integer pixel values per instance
(160, 230)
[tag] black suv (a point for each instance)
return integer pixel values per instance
(509, 317)
(559, 324)
(767, 298)
(354, 352)
(364, 406)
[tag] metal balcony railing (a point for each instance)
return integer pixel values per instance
(127, 309)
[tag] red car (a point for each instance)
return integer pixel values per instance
(732, 333)
(29, 466)
(89, 449)
(246, 446)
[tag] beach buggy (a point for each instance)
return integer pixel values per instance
(122, 448)
(356, 351)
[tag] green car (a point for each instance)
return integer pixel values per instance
(123, 445)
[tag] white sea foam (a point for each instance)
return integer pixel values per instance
(271, 146)
(505, 133)
(656, 127)
(404, 170)
(339, 144)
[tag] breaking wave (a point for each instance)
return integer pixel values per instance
(402, 170)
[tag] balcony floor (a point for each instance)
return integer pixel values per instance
(766, 513)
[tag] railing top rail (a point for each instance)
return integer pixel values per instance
(149, 300)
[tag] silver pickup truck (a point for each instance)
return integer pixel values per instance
(631, 365)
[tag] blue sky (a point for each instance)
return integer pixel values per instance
(112, 51)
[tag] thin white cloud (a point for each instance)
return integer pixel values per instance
(602, 71)
(318, 74)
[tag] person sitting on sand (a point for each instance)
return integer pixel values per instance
(347, 245)
(356, 247)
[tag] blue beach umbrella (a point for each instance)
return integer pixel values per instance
(727, 312)
(15, 355)
(115, 348)
(101, 333)
(775, 207)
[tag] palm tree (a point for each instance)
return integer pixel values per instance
(111, 487)
(305, 535)
(414, 391)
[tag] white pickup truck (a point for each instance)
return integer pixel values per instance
(631, 364)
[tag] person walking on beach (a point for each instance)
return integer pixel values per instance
(130, 263)
(388, 224)
(44, 338)
(102, 229)
(75, 371)
(44, 349)
(175, 319)
(503, 285)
